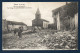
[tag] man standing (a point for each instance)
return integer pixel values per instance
(20, 32)
(15, 31)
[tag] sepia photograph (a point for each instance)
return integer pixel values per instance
(39, 25)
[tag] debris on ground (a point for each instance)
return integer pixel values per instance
(44, 39)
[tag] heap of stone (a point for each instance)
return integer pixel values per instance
(60, 40)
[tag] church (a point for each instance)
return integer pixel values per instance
(38, 22)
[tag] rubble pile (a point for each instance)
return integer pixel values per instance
(44, 39)
(60, 40)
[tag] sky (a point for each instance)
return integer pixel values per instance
(26, 13)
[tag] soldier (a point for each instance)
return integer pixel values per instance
(20, 32)
(15, 31)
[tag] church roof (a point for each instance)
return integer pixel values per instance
(41, 19)
(44, 20)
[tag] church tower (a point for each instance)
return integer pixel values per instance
(38, 22)
(38, 15)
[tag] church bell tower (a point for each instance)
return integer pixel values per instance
(38, 15)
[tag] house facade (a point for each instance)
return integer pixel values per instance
(66, 17)
(4, 25)
(8, 26)
(38, 22)
(15, 25)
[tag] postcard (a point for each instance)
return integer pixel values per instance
(39, 25)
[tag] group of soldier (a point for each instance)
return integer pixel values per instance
(18, 31)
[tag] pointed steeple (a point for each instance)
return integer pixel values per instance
(38, 15)
(38, 12)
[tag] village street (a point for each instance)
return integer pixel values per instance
(44, 39)
(27, 41)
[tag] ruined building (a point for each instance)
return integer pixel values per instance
(66, 17)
